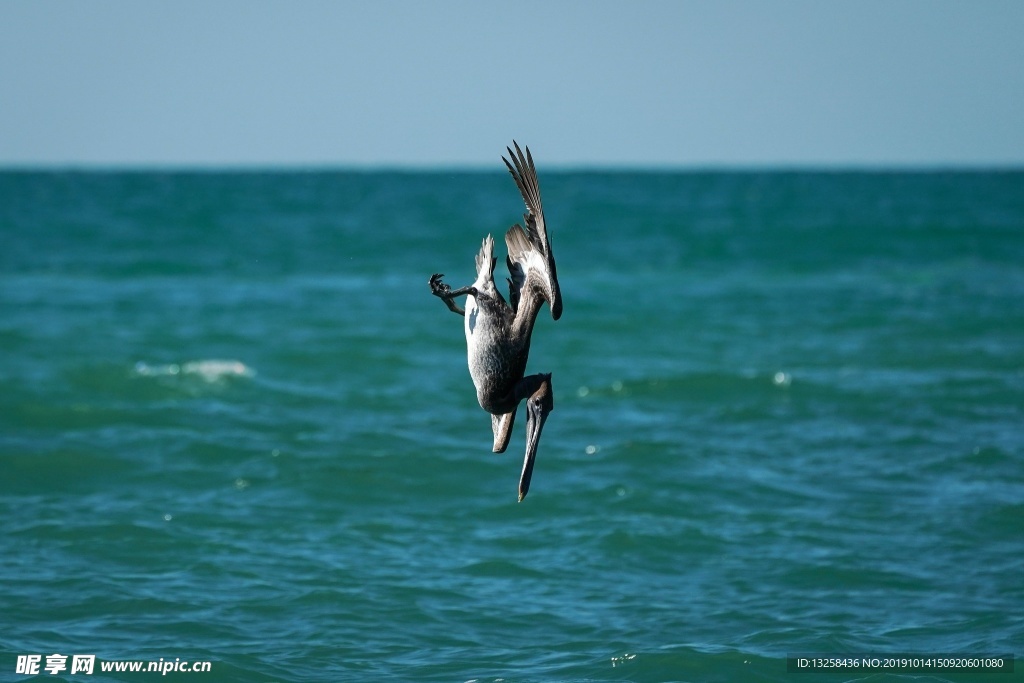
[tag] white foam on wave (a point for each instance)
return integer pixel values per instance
(208, 370)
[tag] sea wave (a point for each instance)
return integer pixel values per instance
(207, 370)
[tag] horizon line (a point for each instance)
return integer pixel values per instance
(474, 168)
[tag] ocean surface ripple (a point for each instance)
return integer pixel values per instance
(235, 427)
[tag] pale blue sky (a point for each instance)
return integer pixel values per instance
(424, 83)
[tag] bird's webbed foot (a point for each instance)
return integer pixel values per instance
(442, 291)
(438, 288)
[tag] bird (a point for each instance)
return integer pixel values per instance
(498, 332)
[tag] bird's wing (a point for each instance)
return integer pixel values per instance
(530, 259)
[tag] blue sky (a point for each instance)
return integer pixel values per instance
(438, 82)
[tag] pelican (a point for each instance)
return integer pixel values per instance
(498, 332)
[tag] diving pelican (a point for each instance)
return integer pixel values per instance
(498, 332)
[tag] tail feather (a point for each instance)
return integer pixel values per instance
(485, 260)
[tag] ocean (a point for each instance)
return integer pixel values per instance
(237, 429)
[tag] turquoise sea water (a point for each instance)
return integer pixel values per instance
(235, 427)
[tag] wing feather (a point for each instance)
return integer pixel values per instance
(525, 174)
(530, 261)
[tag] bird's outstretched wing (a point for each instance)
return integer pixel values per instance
(530, 259)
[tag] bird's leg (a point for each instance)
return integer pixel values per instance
(447, 294)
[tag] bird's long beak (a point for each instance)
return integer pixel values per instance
(537, 408)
